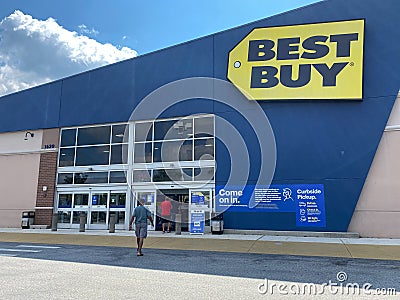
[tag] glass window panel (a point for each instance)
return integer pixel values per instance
(65, 178)
(142, 153)
(81, 199)
(118, 132)
(98, 217)
(64, 200)
(118, 200)
(94, 135)
(204, 127)
(204, 149)
(117, 177)
(119, 154)
(91, 177)
(99, 199)
(67, 156)
(204, 174)
(145, 198)
(120, 217)
(141, 176)
(80, 178)
(172, 175)
(76, 216)
(160, 175)
(186, 151)
(173, 129)
(68, 137)
(205, 195)
(64, 217)
(143, 132)
(97, 155)
(173, 151)
(188, 174)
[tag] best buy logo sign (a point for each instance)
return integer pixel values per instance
(311, 61)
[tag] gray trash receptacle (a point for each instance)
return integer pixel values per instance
(27, 219)
(217, 223)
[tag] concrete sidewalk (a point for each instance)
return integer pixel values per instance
(388, 249)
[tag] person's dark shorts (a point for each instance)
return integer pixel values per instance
(166, 219)
(141, 230)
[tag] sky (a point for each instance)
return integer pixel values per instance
(45, 40)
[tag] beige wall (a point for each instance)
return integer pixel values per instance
(18, 185)
(20, 142)
(50, 136)
(19, 170)
(377, 213)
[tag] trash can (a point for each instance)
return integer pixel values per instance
(217, 223)
(27, 219)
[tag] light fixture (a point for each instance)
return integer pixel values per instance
(31, 134)
(44, 189)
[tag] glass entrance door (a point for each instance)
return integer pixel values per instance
(97, 206)
(70, 207)
(148, 199)
(98, 210)
(80, 206)
(179, 199)
(118, 208)
(201, 199)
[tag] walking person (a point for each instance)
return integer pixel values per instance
(140, 216)
(166, 207)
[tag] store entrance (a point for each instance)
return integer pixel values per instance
(179, 199)
(97, 205)
(184, 201)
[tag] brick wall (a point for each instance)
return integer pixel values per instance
(47, 177)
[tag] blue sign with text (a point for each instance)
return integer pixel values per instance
(310, 209)
(197, 199)
(95, 199)
(197, 221)
(306, 200)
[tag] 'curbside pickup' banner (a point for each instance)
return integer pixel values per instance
(308, 61)
(306, 200)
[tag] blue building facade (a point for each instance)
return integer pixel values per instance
(325, 145)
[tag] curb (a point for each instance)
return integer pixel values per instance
(255, 245)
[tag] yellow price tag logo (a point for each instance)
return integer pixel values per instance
(310, 61)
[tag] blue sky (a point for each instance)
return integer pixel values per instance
(150, 25)
(29, 38)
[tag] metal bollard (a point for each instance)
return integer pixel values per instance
(82, 222)
(54, 222)
(112, 223)
(178, 225)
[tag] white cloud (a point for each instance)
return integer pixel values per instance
(85, 30)
(33, 52)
